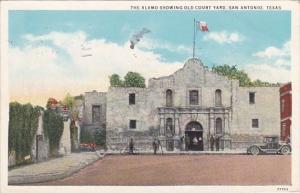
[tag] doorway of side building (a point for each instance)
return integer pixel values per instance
(194, 136)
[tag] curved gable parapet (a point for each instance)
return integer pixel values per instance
(192, 74)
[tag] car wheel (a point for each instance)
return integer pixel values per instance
(254, 150)
(285, 150)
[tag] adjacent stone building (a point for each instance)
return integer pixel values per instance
(286, 110)
(184, 110)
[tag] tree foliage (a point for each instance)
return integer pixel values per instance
(86, 136)
(23, 124)
(68, 101)
(53, 128)
(232, 72)
(134, 79)
(131, 79)
(115, 81)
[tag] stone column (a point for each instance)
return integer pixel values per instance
(226, 122)
(211, 122)
(211, 126)
(177, 136)
(162, 125)
(176, 125)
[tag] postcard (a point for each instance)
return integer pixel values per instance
(139, 96)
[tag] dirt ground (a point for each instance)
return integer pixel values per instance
(184, 170)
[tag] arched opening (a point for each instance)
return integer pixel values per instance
(169, 98)
(218, 97)
(194, 136)
(218, 126)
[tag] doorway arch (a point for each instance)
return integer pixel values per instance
(194, 136)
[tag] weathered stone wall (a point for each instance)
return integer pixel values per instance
(266, 109)
(43, 144)
(90, 99)
(193, 76)
(65, 141)
(120, 112)
(236, 112)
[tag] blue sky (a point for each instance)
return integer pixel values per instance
(260, 29)
(243, 38)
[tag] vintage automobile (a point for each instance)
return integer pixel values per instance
(270, 145)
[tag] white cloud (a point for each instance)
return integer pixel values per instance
(38, 72)
(272, 51)
(151, 44)
(267, 72)
(223, 37)
(273, 64)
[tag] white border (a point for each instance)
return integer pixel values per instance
(293, 6)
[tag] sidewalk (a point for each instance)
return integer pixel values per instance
(53, 169)
(145, 152)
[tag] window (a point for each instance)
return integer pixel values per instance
(255, 123)
(132, 99)
(169, 98)
(218, 126)
(169, 126)
(194, 97)
(132, 124)
(218, 97)
(252, 97)
(96, 114)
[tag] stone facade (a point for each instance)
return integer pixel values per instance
(40, 148)
(193, 103)
(94, 103)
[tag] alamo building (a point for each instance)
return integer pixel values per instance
(192, 103)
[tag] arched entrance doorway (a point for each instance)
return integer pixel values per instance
(194, 136)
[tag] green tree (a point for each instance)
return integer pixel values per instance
(86, 136)
(232, 72)
(134, 79)
(23, 124)
(68, 101)
(115, 81)
(53, 127)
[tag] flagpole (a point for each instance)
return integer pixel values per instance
(194, 39)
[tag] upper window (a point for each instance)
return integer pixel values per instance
(132, 99)
(169, 98)
(194, 97)
(132, 124)
(218, 97)
(255, 123)
(218, 126)
(252, 97)
(96, 114)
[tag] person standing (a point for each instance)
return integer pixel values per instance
(187, 143)
(217, 142)
(159, 145)
(212, 142)
(200, 143)
(131, 146)
(181, 143)
(154, 144)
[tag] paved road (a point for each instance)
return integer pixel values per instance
(184, 170)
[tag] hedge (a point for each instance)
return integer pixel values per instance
(53, 128)
(23, 124)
